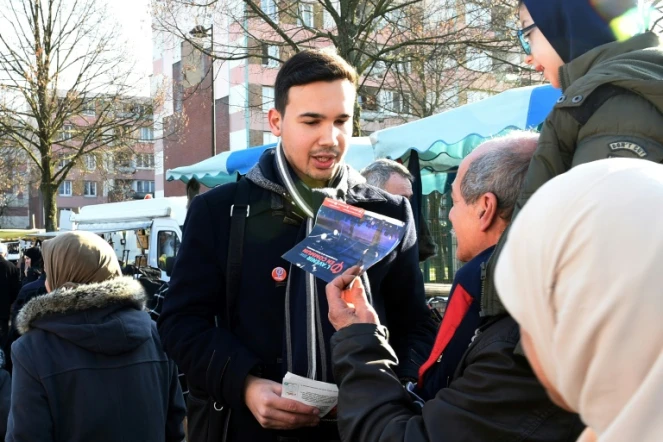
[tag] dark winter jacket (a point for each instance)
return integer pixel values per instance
(217, 360)
(461, 319)
(10, 284)
(28, 291)
(5, 400)
(493, 396)
(628, 124)
(31, 276)
(89, 367)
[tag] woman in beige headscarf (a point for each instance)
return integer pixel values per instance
(89, 365)
(582, 273)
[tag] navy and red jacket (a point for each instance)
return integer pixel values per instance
(461, 319)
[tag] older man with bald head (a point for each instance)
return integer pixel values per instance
(476, 384)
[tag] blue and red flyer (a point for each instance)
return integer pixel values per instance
(345, 236)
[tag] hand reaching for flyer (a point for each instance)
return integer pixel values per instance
(347, 301)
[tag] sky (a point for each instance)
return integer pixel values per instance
(136, 28)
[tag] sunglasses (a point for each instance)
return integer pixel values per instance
(522, 36)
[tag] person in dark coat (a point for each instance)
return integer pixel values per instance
(27, 292)
(10, 284)
(279, 319)
(476, 384)
(89, 365)
(34, 265)
(5, 399)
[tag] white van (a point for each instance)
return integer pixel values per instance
(142, 232)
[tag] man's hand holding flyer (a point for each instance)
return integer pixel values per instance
(317, 394)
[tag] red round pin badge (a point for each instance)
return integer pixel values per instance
(279, 274)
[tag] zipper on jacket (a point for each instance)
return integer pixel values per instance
(484, 273)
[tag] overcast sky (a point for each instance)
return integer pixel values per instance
(134, 19)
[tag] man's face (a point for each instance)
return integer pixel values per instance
(315, 128)
(465, 219)
(544, 58)
(398, 185)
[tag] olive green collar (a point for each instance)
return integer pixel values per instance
(579, 67)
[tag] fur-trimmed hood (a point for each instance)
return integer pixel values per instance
(106, 317)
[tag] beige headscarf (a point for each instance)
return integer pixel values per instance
(78, 258)
(582, 273)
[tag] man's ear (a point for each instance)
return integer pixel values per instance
(488, 213)
(274, 118)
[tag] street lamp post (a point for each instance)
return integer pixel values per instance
(201, 32)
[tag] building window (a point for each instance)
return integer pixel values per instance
(146, 134)
(477, 15)
(142, 110)
(400, 103)
(145, 161)
(269, 138)
(65, 188)
(144, 186)
(368, 102)
(305, 15)
(67, 133)
(270, 55)
(478, 60)
(267, 98)
(89, 108)
(109, 164)
(90, 161)
(62, 164)
(269, 8)
(90, 189)
(328, 20)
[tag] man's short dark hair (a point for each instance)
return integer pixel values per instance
(378, 173)
(307, 67)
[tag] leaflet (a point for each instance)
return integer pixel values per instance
(345, 236)
(317, 394)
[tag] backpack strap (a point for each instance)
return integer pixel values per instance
(239, 212)
(594, 101)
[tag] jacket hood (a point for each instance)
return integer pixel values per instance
(574, 27)
(106, 317)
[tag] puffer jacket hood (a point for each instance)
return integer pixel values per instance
(105, 318)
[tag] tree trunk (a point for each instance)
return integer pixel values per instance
(356, 120)
(49, 194)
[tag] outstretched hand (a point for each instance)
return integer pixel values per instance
(347, 301)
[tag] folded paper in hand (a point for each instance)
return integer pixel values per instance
(317, 394)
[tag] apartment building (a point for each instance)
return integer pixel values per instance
(242, 90)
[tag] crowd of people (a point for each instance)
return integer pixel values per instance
(551, 332)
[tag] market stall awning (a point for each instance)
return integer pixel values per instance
(224, 167)
(443, 140)
(15, 234)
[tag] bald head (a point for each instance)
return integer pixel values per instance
(498, 166)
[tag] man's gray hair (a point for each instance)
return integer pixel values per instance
(378, 173)
(500, 170)
(3, 249)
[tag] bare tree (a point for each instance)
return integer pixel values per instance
(67, 88)
(376, 37)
